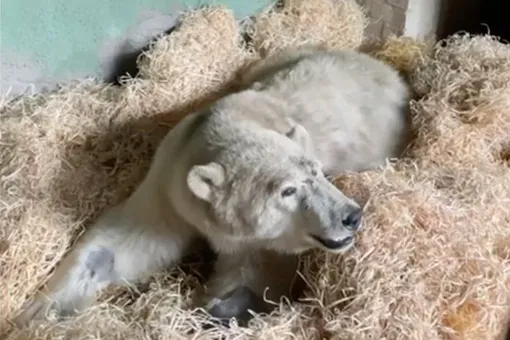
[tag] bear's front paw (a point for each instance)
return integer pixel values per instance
(37, 309)
(33, 309)
(237, 304)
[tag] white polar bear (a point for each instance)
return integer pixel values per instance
(248, 174)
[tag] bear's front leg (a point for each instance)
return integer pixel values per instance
(250, 280)
(121, 248)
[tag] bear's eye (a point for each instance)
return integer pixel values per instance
(314, 172)
(288, 191)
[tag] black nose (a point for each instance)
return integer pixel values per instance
(353, 220)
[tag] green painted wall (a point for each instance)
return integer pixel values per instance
(50, 40)
(63, 34)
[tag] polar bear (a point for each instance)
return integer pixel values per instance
(248, 174)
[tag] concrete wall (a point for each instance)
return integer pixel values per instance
(425, 18)
(43, 42)
(386, 17)
(414, 18)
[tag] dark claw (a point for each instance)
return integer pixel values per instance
(236, 304)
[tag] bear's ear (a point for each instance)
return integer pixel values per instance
(300, 136)
(204, 179)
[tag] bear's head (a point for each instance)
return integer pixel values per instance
(268, 189)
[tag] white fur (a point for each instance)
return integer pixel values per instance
(222, 173)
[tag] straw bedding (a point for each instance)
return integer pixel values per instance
(433, 259)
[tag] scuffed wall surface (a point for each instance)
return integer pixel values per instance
(45, 42)
(387, 17)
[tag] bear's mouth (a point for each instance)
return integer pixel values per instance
(334, 244)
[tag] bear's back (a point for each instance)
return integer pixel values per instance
(354, 107)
